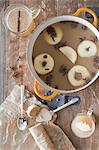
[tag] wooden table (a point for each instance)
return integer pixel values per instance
(11, 48)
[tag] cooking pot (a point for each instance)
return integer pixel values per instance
(35, 35)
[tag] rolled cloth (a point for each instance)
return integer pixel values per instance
(41, 137)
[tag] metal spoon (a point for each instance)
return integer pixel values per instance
(22, 121)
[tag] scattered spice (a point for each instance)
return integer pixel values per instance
(51, 31)
(16, 71)
(63, 69)
(15, 74)
(22, 55)
(18, 58)
(13, 68)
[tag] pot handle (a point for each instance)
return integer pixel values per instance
(85, 9)
(49, 98)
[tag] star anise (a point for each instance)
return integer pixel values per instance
(49, 79)
(51, 31)
(63, 69)
(56, 87)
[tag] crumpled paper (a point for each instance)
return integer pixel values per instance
(8, 114)
(11, 138)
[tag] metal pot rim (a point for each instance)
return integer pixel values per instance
(35, 35)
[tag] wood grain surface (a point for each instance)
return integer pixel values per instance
(12, 48)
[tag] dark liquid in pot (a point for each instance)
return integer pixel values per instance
(73, 35)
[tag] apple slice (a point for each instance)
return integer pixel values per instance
(53, 34)
(87, 49)
(69, 53)
(78, 75)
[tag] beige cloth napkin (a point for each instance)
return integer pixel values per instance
(13, 139)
